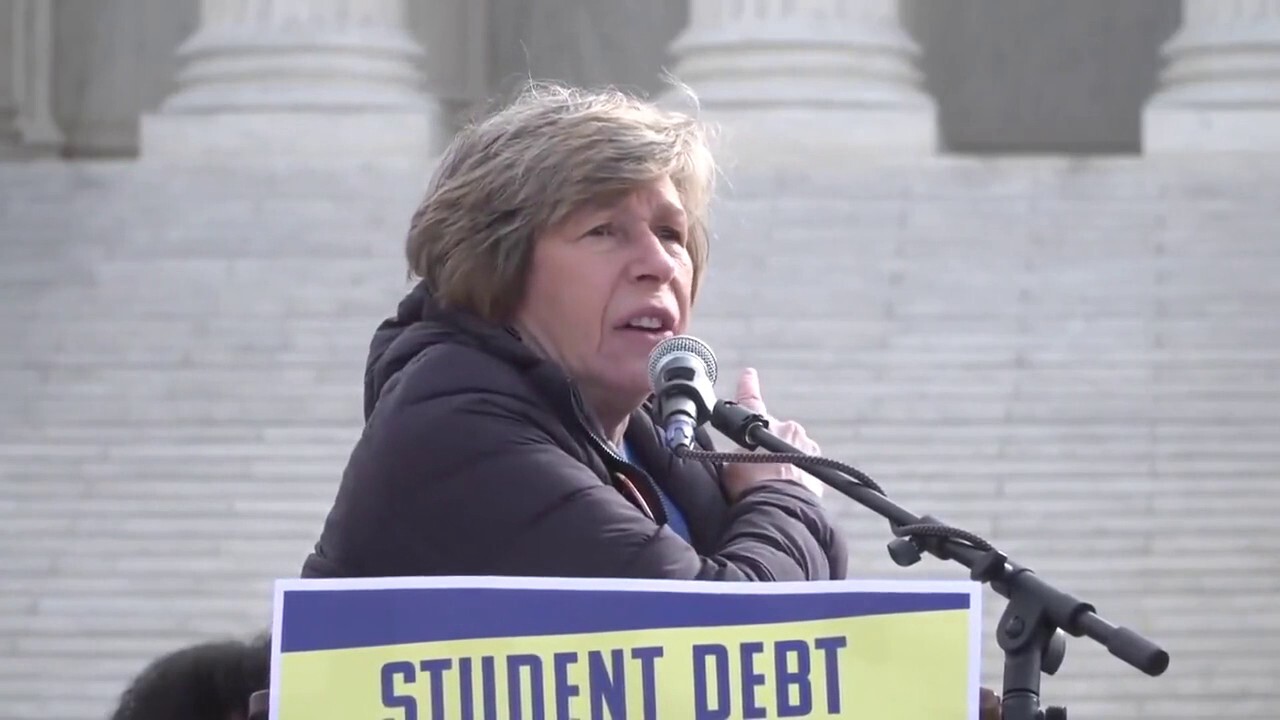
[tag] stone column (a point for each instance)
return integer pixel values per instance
(303, 80)
(1220, 87)
(806, 80)
(27, 127)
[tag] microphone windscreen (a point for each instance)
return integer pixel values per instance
(681, 344)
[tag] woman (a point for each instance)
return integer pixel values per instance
(507, 431)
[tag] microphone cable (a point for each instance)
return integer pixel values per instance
(803, 460)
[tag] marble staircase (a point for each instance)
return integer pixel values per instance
(1079, 360)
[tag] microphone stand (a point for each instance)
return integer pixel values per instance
(1030, 630)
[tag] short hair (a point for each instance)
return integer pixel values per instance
(207, 681)
(509, 177)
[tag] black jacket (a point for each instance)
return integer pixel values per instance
(477, 458)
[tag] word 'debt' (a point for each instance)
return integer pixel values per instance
(752, 679)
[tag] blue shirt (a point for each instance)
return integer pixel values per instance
(675, 519)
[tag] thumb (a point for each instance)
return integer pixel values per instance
(748, 394)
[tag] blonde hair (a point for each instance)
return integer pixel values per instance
(509, 177)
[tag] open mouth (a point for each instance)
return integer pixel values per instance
(654, 323)
(646, 325)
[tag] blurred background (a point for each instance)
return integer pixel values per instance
(1015, 259)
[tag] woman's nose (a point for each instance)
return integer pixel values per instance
(655, 259)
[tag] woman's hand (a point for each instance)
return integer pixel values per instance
(740, 477)
(989, 705)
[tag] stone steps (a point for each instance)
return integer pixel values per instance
(1077, 360)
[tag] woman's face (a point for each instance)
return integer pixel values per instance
(606, 286)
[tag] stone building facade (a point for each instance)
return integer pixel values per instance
(1015, 259)
(123, 77)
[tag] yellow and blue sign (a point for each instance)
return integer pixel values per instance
(468, 648)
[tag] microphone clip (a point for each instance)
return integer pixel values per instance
(738, 423)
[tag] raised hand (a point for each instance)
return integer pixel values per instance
(738, 477)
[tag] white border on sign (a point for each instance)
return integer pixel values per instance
(633, 585)
(804, 587)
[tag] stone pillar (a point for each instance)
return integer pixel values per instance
(302, 80)
(27, 128)
(1220, 87)
(806, 80)
(115, 61)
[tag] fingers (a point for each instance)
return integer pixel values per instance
(748, 394)
(794, 433)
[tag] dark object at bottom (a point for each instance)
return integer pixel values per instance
(259, 703)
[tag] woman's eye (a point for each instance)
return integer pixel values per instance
(601, 230)
(670, 234)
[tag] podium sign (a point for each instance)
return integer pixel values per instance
(469, 648)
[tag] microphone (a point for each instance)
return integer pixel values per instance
(682, 372)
